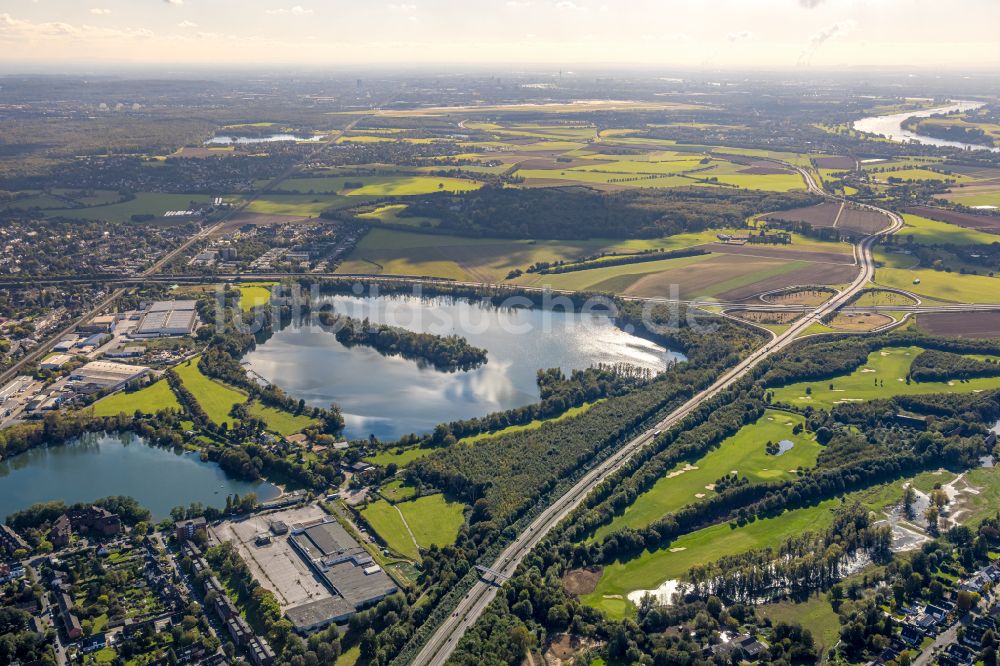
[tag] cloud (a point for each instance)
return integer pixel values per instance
(740, 36)
(19, 30)
(569, 6)
(402, 7)
(174, 2)
(187, 24)
(98, 11)
(518, 4)
(297, 10)
(811, 4)
(822, 37)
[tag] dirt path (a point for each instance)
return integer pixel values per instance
(840, 212)
(407, 526)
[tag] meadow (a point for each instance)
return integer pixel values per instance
(215, 398)
(144, 203)
(933, 232)
(149, 400)
(882, 376)
(744, 453)
(432, 520)
(898, 271)
(254, 294)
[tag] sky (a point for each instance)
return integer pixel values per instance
(765, 34)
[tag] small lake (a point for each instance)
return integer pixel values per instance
(890, 126)
(392, 396)
(223, 140)
(99, 465)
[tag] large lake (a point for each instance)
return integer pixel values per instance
(890, 126)
(392, 396)
(99, 465)
(224, 140)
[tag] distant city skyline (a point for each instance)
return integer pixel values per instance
(773, 34)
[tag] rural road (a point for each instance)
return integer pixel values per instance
(441, 644)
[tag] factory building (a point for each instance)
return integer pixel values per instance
(101, 375)
(167, 318)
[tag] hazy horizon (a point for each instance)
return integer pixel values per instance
(732, 34)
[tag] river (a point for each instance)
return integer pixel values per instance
(99, 465)
(392, 396)
(890, 126)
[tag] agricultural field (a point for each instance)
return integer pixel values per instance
(980, 222)
(149, 400)
(391, 214)
(932, 232)
(961, 324)
(883, 376)
(898, 271)
(144, 203)
(744, 453)
(379, 186)
(298, 205)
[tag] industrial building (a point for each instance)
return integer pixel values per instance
(55, 361)
(101, 375)
(345, 568)
(167, 318)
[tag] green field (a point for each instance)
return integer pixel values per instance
(388, 524)
(144, 203)
(149, 400)
(889, 366)
(402, 458)
(215, 398)
(299, 205)
(279, 421)
(744, 453)
(380, 186)
(898, 272)
(814, 614)
(932, 232)
(254, 294)
(397, 491)
(649, 570)
(433, 519)
(390, 214)
(532, 425)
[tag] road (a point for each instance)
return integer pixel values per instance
(441, 644)
(43, 348)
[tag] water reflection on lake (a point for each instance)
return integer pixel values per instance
(223, 140)
(99, 465)
(890, 126)
(391, 396)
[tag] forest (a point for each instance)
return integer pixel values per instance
(578, 213)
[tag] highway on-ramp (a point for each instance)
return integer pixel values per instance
(441, 644)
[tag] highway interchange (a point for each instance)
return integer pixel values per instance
(441, 644)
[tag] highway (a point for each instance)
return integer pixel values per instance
(441, 644)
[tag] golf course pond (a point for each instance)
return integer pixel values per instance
(390, 396)
(99, 465)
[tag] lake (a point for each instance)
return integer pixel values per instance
(392, 396)
(99, 465)
(890, 126)
(223, 140)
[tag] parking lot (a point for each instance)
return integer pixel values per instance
(276, 566)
